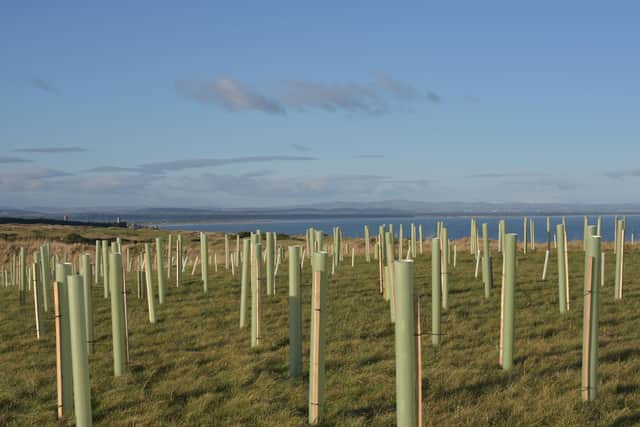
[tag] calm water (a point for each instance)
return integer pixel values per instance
(458, 226)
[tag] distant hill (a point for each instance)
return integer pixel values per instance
(51, 221)
(381, 209)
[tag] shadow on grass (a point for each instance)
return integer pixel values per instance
(483, 387)
(621, 356)
(555, 369)
(628, 389)
(627, 420)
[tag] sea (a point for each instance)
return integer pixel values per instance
(458, 226)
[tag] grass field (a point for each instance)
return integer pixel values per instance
(196, 367)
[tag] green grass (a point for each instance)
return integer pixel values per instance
(196, 367)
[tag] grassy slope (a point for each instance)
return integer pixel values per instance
(195, 366)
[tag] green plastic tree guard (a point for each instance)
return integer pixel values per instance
(311, 243)
(508, 302)
(105, 267)
(37, 294)
(256, 294)
(226, 251)
(486, 262)
(45, 276)
(584, 232)
(204, 261)
(444, 269)
(389, 286)
(117, 311)
(619, 244)
(591, 317)
(501, 232)
(269, 262)
(162, 284)
(549, 234)
(405, 346)
(548, 250)
(23, 276)
(319, 264)
(319, 241)
(86, 273)
(237, 260)
(588, 233)
(14, 271)
(532, 233)
(562, 269)
(367, 239)
(524, 234)
(80, 362)
(98, 263)
(169, 263)
(244, 284)
(472, 241)
(62, 272)
(413, 241)
(295, 313)
(436, 291)
(179, 261)
(151, 304)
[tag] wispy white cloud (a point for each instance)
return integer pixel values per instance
(178, 165)
(28, 180)
(369, 156)
(43, 85)
(401, 89)
(380, 95)
(434, 97)
(301, 148)
(228, 94)
(498, 175)
(111, 169)
(351, 186)
(51, 150)
(623, 173)
(350, 97)
(9, 159)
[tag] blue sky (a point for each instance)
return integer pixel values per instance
(276, 103)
